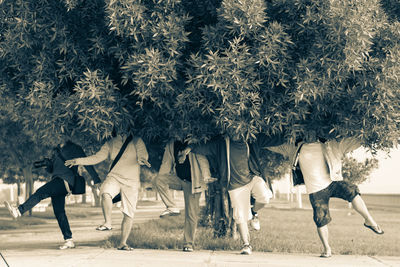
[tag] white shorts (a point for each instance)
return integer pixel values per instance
(129, 194)
(240, 198)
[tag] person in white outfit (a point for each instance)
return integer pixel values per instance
(320, 163)
(124, 179)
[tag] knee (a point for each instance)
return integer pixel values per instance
(106, 196)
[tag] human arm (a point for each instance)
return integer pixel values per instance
(349, 144)
(142, 154)
(100, 156)
(167, 160)
(209, 148)
(264, 141)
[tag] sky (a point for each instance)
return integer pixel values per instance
(386, 178)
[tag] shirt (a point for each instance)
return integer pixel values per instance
(182, 170)
(127, 169)
(239, 165)
(314, 167)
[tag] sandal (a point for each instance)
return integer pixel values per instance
(326, 255)
(125, 247)
(376, 229)
(103, 228)
(187, 248)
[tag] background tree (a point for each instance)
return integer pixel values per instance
(358, 172)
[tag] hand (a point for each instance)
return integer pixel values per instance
(70, 163)
(97, 186)
(182, 155)
(209, 180)
(144, 162)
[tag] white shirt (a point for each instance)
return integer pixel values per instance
(314, 167)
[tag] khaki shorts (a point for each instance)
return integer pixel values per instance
(240, 198)
(129, 194)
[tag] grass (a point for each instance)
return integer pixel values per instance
(17, 224)
(74, 211)
(286, 231)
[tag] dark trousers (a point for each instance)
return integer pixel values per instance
(57, 191)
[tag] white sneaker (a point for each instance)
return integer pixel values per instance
(255, 223)
(170, 212)
(14, 212)
(246, 249)
(68, 244)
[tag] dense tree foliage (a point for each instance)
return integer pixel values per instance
(170, 68)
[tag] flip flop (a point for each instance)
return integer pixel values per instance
(376, 229)
(103, 228)
(126, 248)
(326, 255)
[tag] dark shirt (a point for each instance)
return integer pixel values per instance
(70, 151)
(182, 170)
(239, 165)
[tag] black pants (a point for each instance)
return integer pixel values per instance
(57, 191)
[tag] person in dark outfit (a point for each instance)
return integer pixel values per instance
(63, 180)
(239, 167)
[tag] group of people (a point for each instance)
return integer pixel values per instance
(187, 167)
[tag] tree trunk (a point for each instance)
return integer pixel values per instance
(95, 196)
(18, 189)
(84, 198)
(27, 173)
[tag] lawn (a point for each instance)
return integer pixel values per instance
(287, 230)
(73, 211)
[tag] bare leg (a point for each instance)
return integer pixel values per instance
(126, 227)
(324, 236)
(106, 205)
(359, 205)
(244, 232)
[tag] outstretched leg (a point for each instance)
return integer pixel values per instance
(359, 205)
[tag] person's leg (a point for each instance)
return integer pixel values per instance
(324, 237)
(126, 227)
(359, 205)
(240, 198)
(106, 205)
(129, 197)
(58, 203)
(55, 187)
(351, 193)
(192, 209)
(109, 189)
(260, 193)
(320, 204)
(163, 183)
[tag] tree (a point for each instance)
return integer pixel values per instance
(18, 152)
(197, 68)
(358, 172)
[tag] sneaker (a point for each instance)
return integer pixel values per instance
(14, 212)
(169, 212)
(246, 249)
(68, 244)
(255, 223)
(188, 248)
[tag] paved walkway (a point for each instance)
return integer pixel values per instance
(37, 247)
